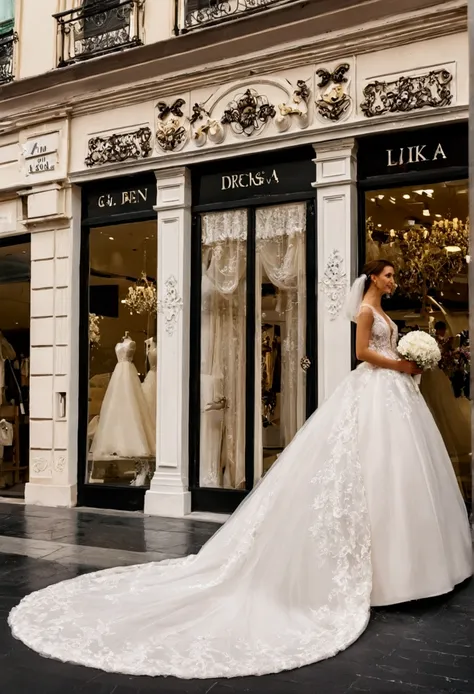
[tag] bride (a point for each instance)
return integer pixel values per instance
(361, 509)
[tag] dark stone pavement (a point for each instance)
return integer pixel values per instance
(419, 648)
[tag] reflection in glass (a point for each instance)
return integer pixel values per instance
(281, 330)
(424, 230)
(224, 260)
(123, 355)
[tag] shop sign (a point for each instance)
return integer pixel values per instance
(259, 181)
(413, 150)
(121, 197)
(40, 153)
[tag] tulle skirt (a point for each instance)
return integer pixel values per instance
(361, 508)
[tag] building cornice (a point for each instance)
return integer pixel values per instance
(88, 96)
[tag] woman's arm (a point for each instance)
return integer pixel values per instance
(364, 353)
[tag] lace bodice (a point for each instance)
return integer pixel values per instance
(384, 337)
(125, 350)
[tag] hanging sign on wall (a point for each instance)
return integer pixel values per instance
(424, 149)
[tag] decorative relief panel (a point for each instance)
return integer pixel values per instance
(172, 130)
(116, 148)
(296, 108)
(171, 305)
(431, 89)
(333, 101)
(334, 284)
(248, 112)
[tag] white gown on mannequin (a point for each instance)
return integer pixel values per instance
(149, 384)
(361, 508)
(125, 428)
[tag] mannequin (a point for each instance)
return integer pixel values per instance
(149, 384)
(6, 352)
(125, 426)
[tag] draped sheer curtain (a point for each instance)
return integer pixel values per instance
(280, 244)
(224, 258)
(280, 261)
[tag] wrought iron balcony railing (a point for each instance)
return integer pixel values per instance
(97, 28)
(193, 14)
(7, 43)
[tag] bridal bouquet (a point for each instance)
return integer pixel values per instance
(421, 348)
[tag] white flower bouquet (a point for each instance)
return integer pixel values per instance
(421, 348)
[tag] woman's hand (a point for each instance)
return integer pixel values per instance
(409, 367)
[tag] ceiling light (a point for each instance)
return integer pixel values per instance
(380, 197)
(426, 212)
(438, 215)
(425, 191)
(379, 225)
(111, 238)
(406, 196)
(452, 249)
(372, 199)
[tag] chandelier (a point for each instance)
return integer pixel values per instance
(142, 297)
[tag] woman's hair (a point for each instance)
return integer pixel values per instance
(374, 267)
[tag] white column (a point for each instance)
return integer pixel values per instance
(169, 494)
(55, 256)
(336, 178)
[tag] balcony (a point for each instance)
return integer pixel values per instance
(195, 14)
(7, 42)
(97, 28)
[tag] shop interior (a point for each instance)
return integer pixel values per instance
(424, 230)
(15, 259)
(280, 340)
(122, 354)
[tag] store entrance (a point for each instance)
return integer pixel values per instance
(14, 364)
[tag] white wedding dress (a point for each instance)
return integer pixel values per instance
(125, 426)
(149, 384)
(362, 508)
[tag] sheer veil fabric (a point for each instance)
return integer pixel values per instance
(361, 508)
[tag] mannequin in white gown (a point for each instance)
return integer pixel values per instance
(149, 384)
(125, 427)
(361, 508)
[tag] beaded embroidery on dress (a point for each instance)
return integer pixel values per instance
(361, 507)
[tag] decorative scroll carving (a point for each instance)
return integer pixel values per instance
(171, 305)
(334, 284)
(208, 128)
(433, 89)
(171, 133)
(248, 113)
(296, 108)
(119, 147)
(333, 100)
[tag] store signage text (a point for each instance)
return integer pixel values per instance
(122, 198)
(41, 153)
(248, 180)
(414, 154)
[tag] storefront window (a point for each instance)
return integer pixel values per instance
(123, 354)
(424, 230)
(278, 350)
(14, 364)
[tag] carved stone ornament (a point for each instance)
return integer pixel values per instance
(171, 305)
(60, 463)
(40, 465)
(171, 133)
(333, 101)
(432, 89)
(204, 127)
(119, 147)
(334, 284)
(297, 108)
(248, 113)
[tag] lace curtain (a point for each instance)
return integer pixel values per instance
(280, 232)
(280, 260)
(224, 249)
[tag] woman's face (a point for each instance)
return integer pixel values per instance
(385, 282)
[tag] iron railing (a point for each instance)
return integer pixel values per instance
(97, 28)
(194, 14)
(7, 43)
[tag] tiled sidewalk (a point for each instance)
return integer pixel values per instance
(422, 648)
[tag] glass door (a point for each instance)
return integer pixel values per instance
(257, 362)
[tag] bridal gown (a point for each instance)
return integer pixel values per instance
(361, 508)
(125, 426)
(149, 384)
